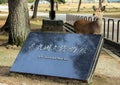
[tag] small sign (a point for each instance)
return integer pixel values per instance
(71, 56)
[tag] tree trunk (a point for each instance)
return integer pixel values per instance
(79, 4)
(19, 21)
(35, 9)
(100, 3)
(56, 6)
(6, 26)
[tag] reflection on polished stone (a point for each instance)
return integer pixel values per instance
(71, 56)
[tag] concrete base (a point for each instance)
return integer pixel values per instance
(52, 25)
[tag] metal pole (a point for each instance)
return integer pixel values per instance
(52, 12)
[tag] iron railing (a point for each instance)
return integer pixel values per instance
(111, 29)
(110, 26)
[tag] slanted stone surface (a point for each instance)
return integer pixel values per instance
(72, 56)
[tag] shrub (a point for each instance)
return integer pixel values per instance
(3, 1)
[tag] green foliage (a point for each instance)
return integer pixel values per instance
(30, 1)
(60, 1)
(90, 83)
(3, 1)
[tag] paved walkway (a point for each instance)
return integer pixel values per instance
(4, 8)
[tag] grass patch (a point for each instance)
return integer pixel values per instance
(2, 20)
(86, 8)
(112, 15)
(3, 17)
(7, 56)
(36, 23)
(3, 37)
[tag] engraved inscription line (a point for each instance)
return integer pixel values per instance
(55, 48)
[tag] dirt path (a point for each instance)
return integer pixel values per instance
(18, 79)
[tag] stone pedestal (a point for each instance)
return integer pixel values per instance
(52, 25)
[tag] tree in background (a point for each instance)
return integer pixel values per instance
(100, 3)
(57, 2)
(79, 4)
(35, 7)
(17, 23)
(103, 1)
(80, 1)
(3, 1)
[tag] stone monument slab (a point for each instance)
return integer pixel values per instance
(63, 55)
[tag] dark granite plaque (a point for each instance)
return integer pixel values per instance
(71, 56)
